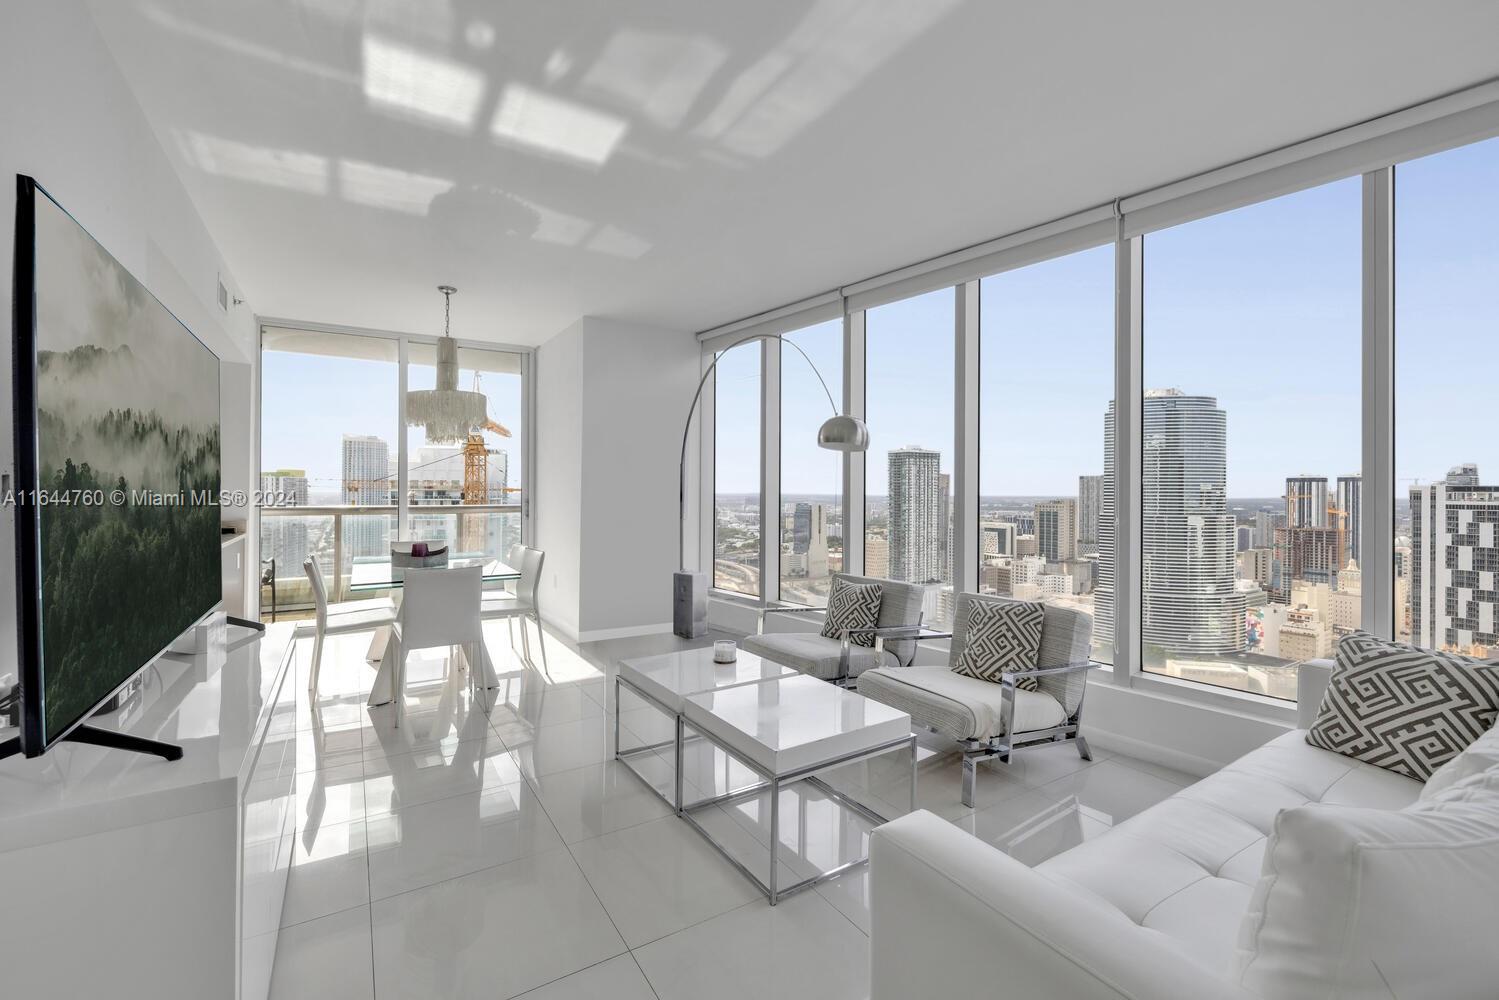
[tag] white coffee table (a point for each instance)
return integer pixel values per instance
(665, 681)
(786, 730)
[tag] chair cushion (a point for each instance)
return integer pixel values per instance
(955, 705)
(499, 603)
(852, 605)
(1001, 639)
(1406, 709)
(816, 655)
(1187, 866)
(1361, 902)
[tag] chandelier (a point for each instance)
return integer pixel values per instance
(447, 413)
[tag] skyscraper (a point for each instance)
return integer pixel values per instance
(996, 538)
(1265, 523)
(801, 528)
(1056, 529)
(1454, 549)
(944, 505)
(366, 482)
(284, 538)
(1189, 601)
(1306, 501)
(1089, 507)
(1465, 474)
(917, 532)
(366, 467)
(1350, 502)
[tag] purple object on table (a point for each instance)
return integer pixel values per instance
(419, 549)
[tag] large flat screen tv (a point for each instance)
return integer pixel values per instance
(117, 472)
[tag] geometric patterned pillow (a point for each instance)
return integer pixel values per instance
(852, 605)
(1002, 638)
(1405, 709)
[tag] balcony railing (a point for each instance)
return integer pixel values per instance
(336, 535)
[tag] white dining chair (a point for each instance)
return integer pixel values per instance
(522, 602)
(440, 607)
(344, 616)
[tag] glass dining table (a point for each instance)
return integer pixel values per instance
(379, 573)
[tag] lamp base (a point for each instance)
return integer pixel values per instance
(689, 604)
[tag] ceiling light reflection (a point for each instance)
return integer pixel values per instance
(656, 74)
(555, 125)
(834, 47)
(283, 168)
(618, 243)
(425, 86)
(388, 188)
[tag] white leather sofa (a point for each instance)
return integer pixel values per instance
(1151, 909)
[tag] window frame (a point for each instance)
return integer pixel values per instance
(1370, 151)
(403, 341)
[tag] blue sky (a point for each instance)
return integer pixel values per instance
(1259, 307)
(309, 402)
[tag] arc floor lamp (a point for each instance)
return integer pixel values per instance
(839, 432)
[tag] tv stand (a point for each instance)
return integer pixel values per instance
(105, 738)
(244, 623)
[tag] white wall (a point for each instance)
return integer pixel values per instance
(69, 120)
(611, 400)
(557, 497)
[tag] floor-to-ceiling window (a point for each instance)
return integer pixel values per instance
(736, 470)
(1251, 439)
(908, 469)
(811, 477)
(1251, 426)
(1446, 365)
(331, 440)
(329, 421)
(1046, 361)
(484, 470)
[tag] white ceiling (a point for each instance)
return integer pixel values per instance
(688, 162)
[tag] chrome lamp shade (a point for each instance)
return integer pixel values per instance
(843, 433)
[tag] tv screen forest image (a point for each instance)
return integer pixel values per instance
(128, 471)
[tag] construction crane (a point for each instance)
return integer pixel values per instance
(476, 458)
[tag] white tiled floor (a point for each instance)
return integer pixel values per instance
(504, 853)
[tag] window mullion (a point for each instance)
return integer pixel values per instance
(770, 470)
(1128, 419)
(854, 404)
(964, 556)
(403, 503)
(1377, 513)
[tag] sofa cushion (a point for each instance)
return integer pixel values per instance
(1001, 639)
(816, 655)
(958, 706)
(1406, 709)
(1186, 867)
(852, 605)
(1370, 902)
(1481, 755)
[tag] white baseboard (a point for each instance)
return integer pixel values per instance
(598, 634)
(1153, 753)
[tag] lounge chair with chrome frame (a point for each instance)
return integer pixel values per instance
(994, 720)
(842, 660)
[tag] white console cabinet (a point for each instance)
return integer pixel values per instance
(129, 876)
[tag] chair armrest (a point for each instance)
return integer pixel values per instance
(783, 611)
(1071, 668)
(882, 633)
(952, 916)
(1312, 677)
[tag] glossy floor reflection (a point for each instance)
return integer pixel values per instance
(491, 847)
